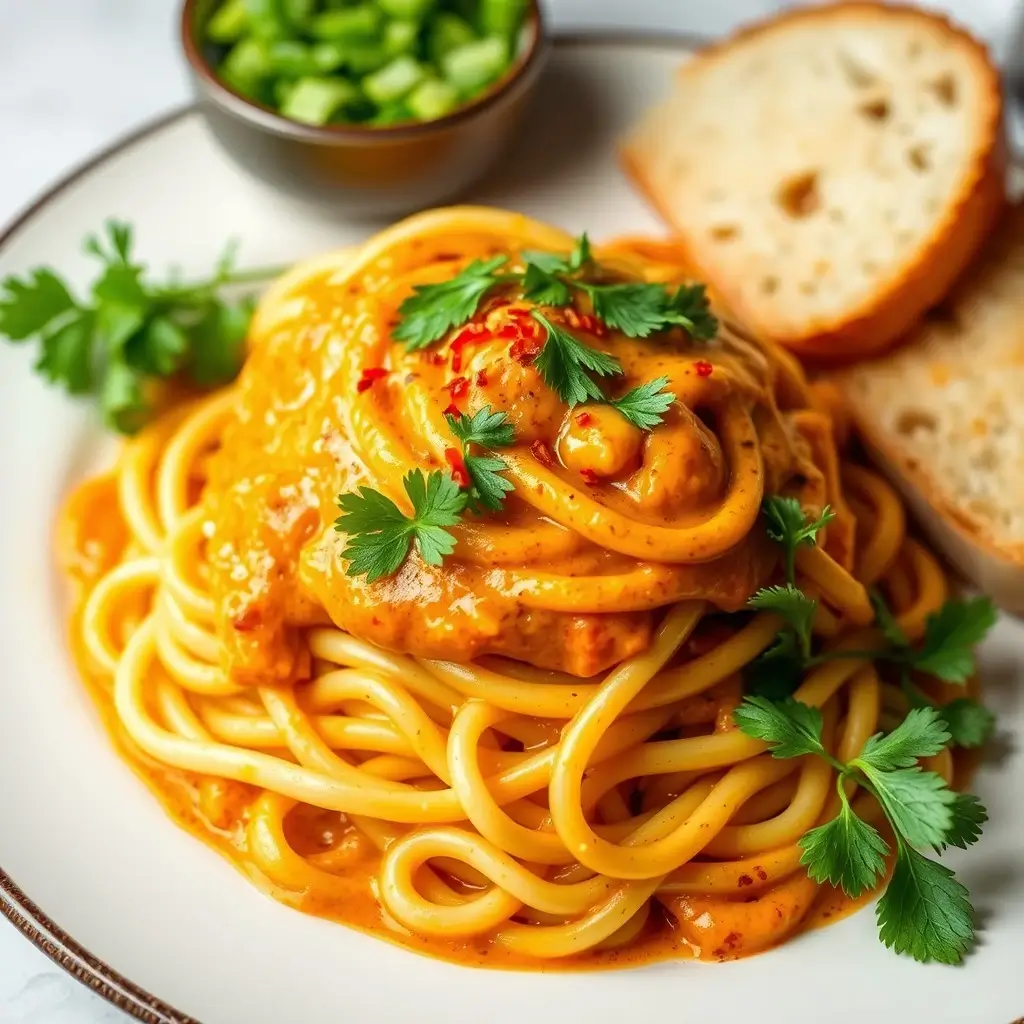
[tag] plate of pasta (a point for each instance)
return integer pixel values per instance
(469, 615)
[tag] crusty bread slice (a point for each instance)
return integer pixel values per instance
(830, 172)
(944, 415)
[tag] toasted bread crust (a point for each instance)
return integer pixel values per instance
(956, 236)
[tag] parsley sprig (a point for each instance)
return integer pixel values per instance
(129, 330)
(380, 534)
(946, 651)
(489, 430)
(924, 910)
(567, 364)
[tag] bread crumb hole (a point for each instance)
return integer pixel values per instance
(914, 49)
(799, 196)
(876, 110)
(769, 285)
(911, 420)
(917, 157)
(724, 232)
(809, 288)
(836, 216)
(944, 88)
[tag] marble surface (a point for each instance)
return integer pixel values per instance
(75, 74)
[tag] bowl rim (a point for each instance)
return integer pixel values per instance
(523, 69)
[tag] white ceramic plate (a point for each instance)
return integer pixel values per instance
(81, 836)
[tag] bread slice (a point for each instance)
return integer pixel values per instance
(830, 172)
(944, 416)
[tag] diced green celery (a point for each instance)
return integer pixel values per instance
(432, 99)
(447, 32)
(293, 59)
(361, 59)
(501, 17)
(475, 65)
(266, 20)
(246, 66)
(400, 37)
(412, 10)
(349, 24)
(228, 23)
(392, 113)
(316, 100)
(394, 80)
(298, 12)
(328, 56)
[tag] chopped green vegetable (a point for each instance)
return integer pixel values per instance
(394, 80)
(266, 19)
(474, 65)
(432, 99)
(349, 24)
(316, 100)
(412, 10)
(400, 37)
(247, 66)
(501, 17)
(447, 32)
(292, 59)
(229, 22)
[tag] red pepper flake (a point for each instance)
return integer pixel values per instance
(469, 334)
(525, 349)
(744, 880)
(481, 379)
(583, 418)
(369, 377)
(453, 410)
(542, 453)
(248, 620)
(592, 325)
(590, 478)
(458, 466)
(703, 368)
(761, 873)
(436, 358)
(512, 331)
(458, 386)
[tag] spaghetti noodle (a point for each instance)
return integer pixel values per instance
(526, 753)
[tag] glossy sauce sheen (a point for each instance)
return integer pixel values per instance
(305, 429)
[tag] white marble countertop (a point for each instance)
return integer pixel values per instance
(75, 74)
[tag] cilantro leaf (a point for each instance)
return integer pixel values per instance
(158, 349)
(122, 403)
(779, 671)
(548, 262)
(916, 802)
(564, 363)
(434, 309)
(846, 852)
(793, 605)
(921, 734)
(690, 308)
(950, 636)
(969, 723)
(486, 428)
(787, 524)
(969, 815)
(380, 534)
(925, 911)
(580, 255)
(886, 622)
(67, 354)
(636, 309)
(645, 405)
(544, 288)
(28, 307)
(488, 487)
(792, 728)
(218, 341)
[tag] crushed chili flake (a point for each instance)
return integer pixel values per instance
(583, 418)
(436, 358)
(452, 410)
(525, 350)
(468, 335)
(369, 377)
(457, 386)
(542, 453)
(703, 368)
(457, 465)
(481, 379)
(248, 620)
(590, 478)
(509, 331)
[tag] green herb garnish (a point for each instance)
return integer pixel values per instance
(130, 330)
(484, 429)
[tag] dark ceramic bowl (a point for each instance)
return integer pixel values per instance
(359, 169)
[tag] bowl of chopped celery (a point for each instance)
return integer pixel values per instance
(364, 106)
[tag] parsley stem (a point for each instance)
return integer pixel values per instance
(253, 276)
